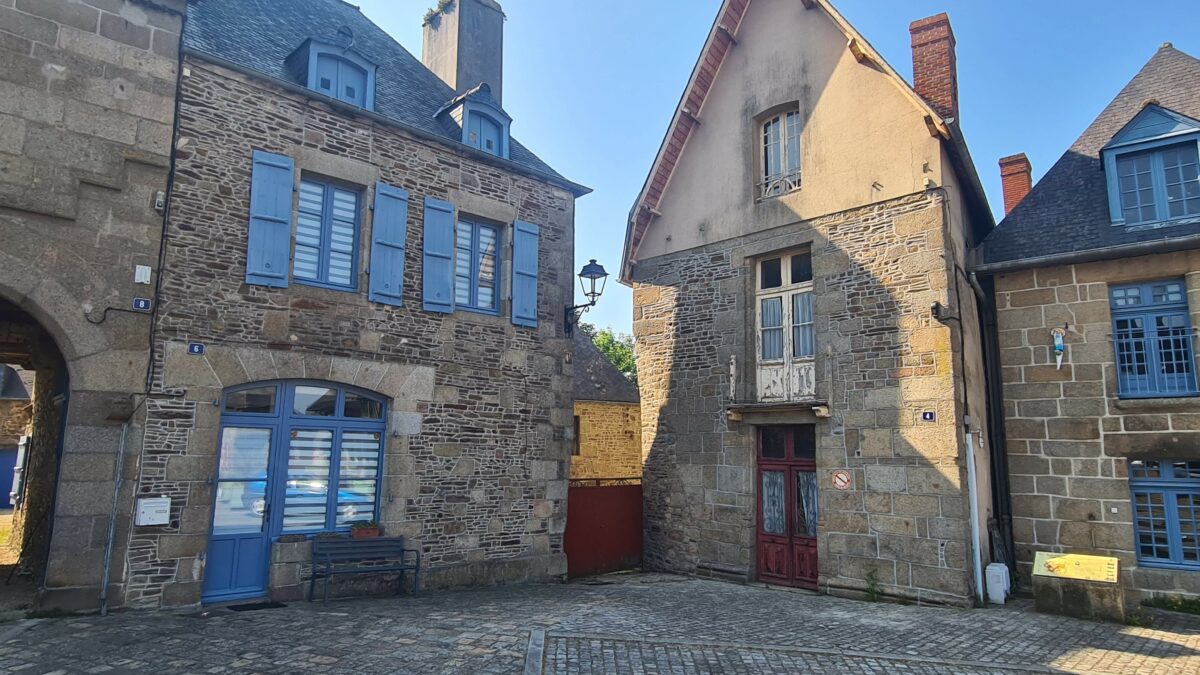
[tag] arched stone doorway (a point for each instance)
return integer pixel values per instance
(33, 405)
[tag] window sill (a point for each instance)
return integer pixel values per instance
(765, 198)
(1158, 565)
(327, 287)
(1181, 402)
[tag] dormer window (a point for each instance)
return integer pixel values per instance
(484, 133)
(478, 115)
(1153, 169)
(336, 72)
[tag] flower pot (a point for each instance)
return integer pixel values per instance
(364, 532)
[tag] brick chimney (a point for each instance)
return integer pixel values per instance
(464, 44)
(1016, 175)
(935, 67)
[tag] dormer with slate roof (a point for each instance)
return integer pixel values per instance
(1151, 168)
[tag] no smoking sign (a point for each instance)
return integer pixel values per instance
(842, 479)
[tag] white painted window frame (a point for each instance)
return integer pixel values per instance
(785, 137)
(785, 293)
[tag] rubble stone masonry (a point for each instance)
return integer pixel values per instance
(1069, 435)
(479, 435)
(881, 361)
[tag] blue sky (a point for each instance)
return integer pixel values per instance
(592, 84)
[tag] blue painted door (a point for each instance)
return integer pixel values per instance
(8, 463)
(239, 546)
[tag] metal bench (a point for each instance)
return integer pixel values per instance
(332, 556)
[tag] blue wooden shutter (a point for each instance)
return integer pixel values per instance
(270, 235)
(388, 232)
(437, 271)
(525, 274)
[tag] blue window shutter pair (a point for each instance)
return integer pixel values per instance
(270, 234)
(525, 274)
(269, 239)
(389, 232)
(438, 268)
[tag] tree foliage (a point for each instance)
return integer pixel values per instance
(616, 347)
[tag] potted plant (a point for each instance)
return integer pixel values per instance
(364, 529)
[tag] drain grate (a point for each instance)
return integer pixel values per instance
(255, 606)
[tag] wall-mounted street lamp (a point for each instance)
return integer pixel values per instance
(591, 273)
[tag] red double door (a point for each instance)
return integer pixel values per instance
(787, 505)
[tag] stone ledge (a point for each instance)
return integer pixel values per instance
(1187, 403)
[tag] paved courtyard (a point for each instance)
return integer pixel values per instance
(639, 623)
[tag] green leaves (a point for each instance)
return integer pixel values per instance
(616, 347)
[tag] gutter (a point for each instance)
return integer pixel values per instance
(1164, 245)
(507, 164)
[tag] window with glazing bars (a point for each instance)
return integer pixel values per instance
(475, 267)
(786, 326)
(1152, 340)
(1166, 511)
(326, 251)
(780, 154)
(1159, 184)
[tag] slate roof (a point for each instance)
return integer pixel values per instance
(1067, 210)
(596, 378)
(260, 34)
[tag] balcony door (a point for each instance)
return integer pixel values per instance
(787, 505)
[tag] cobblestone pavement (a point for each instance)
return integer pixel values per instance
(637, 624)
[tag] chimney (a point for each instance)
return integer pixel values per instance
(464, 44)
(1017, 179)
(935, 67)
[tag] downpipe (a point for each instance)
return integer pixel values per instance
(112, 519)
(973, 497)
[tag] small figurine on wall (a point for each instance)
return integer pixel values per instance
(1059, 347)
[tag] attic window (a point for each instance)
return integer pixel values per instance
(336, 72)
(484, 133)
(1153, 169)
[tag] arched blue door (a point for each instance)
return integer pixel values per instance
(296, 457)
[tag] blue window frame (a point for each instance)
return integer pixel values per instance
(1152, 338)
(320, 435)
(327, 225)
(1159, 184)
(477, 267)
(1166, 512)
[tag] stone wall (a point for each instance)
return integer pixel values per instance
(86, 114)
(881, 361)
(14, 421)
(478, 444)
(610, 440)
(1069, 436)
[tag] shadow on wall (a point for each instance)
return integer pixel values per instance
(881, 361)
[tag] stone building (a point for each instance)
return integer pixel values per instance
(87, 100)
(360, 312)
(608, 420)
(807, 418)
(1103, 433)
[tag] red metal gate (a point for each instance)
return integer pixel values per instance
(604, 526)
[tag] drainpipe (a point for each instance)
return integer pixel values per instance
(112, 520)
(998, 453)
(973, 496)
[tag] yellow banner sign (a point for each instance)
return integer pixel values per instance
(1076, 566)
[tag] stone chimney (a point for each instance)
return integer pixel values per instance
(1016, 175)
(935, 67)
(464, 44)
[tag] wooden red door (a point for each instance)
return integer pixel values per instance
(787, 506)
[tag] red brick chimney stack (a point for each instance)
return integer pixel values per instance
(1016, 175)
(935, 67)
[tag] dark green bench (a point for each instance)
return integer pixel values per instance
(343, 555)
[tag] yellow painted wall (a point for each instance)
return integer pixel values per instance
(610, 440)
